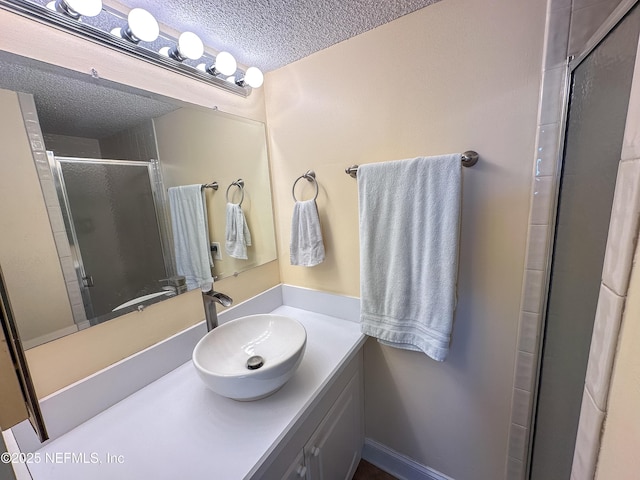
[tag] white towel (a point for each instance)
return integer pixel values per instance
(190, 236)
(237, 235)
(409, 229)
(306, 247)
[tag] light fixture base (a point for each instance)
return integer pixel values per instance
(61, 6)
(127, 34)
(175, 54)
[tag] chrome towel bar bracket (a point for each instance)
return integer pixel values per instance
(213, 185)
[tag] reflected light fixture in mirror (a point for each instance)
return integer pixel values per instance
(141, 26)
(77, 8)
(189, 47)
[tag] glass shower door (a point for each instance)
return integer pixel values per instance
(112, 225)
(601, 86)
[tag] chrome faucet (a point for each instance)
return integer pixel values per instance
(210, 299)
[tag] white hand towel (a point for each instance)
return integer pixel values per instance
(190, 236)
(409, 225)
(306, 247)
(237, 235)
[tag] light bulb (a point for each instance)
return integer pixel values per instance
(254, 77)
(142, 25)
(225, 63)
(77, 8)
(190, 46)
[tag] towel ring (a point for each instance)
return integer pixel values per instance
(240, 184)
(310, 176)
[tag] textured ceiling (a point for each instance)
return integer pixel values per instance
(272, 33)
(77, 105)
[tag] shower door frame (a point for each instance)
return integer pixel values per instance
(155, 182)
(545, 189)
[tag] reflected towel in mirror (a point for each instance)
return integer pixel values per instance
(237, 235)
(191, 236)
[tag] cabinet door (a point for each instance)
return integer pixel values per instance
(334, 450)
(297, 470)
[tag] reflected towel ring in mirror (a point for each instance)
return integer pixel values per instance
(310, 176)
(240, 184)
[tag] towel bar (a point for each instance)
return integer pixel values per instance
(469, 159)
(310, 176)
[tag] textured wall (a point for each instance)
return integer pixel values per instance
(454, 76)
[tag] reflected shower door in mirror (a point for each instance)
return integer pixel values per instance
(80, 116)
(114, 231)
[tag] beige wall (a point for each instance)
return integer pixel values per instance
(28, 254)
(59, 363)
(621, 440)
(457, 75)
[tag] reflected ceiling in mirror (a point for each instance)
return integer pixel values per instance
(133, 146)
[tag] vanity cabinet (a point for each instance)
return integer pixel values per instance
(333, 448)
(297, 470)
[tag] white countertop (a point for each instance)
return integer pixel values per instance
(176, 428)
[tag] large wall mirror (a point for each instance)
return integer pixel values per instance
(113, 152)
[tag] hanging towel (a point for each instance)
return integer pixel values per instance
(191, 236)
(237, 235)
(409, 226)
(306, 247)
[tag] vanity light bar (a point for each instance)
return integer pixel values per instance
(42, 14)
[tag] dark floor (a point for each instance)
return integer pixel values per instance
(366, 471)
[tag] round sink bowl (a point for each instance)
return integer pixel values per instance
(251, 357)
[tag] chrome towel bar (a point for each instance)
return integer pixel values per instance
(469, 159)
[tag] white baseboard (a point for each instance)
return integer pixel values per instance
(396, 464)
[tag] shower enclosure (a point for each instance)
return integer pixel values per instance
(598, 104)
(112, 217)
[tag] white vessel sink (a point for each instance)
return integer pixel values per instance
(251, 357)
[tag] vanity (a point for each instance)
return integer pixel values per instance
(175, 427)
(148, 414)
